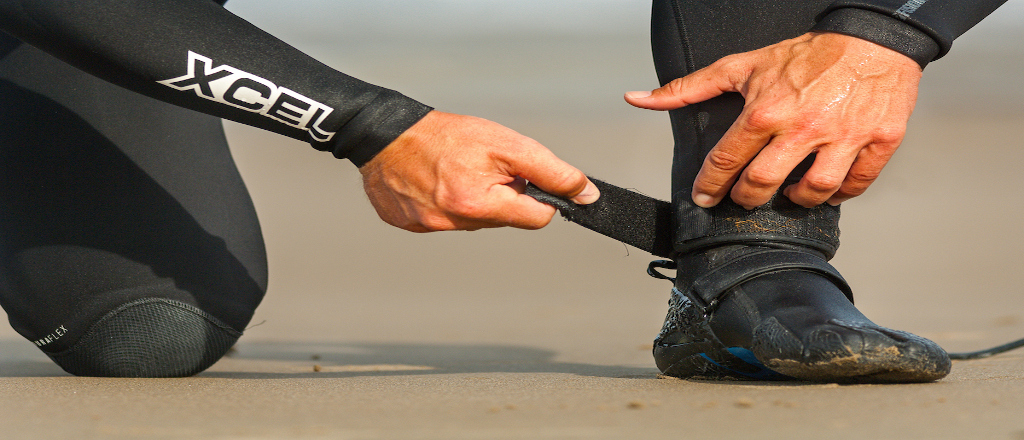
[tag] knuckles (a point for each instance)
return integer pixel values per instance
(675, 87)
(763, 119)
(763, 177)
(746, 200)
(570, 181)
(432, 223)
(725, 161)
(822, 183)
(863, 176)
(888, 137)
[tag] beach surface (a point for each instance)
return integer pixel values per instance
(371, 332)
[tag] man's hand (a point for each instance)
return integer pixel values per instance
(459, 172)
(844, 98)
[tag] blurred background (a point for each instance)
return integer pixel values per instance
(935, 247)
(547, 334)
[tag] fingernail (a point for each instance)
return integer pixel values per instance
(703, 200)
(638, 95)
(589, 195)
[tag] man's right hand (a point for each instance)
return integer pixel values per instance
(454, 172)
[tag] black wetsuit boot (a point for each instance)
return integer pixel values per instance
(754, 295)
(772, 311)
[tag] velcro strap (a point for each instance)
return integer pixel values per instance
(662, 229)
(707, 290)
(627, 216)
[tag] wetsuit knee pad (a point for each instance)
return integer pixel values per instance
(98, 313)
(150, 337)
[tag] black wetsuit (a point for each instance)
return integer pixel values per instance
(128, 243)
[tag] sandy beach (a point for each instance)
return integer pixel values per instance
(370, 332)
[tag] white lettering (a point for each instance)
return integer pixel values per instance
(239, 89)
(57, 333)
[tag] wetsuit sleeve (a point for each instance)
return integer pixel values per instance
(198, 55)
(924, 30)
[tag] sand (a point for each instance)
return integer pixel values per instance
(371, 332)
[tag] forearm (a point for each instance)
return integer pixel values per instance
(921, 29)
(196, 54)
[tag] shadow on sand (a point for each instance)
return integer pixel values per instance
(285, 360)
(337, 360)
(332, 359)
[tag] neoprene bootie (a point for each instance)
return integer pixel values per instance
(754, 296)
(752, 302)
(780, 311)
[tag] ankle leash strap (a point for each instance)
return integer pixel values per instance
(626, 216)
(662, 229)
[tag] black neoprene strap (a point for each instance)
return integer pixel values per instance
(655, 226)
(627, 216)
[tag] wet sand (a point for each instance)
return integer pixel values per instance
(371, 332)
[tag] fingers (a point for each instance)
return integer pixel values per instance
(864, 171)
(518, 184)
(453, 172)
(505, 204)
(823, 178)
(842, 172)
(838, 173)
(542, 168)
(515, 210)
(699, 86)
(751, 176)
(497, 206)
(525, 212)
(724, 163)
(767, 172)
(470, 213)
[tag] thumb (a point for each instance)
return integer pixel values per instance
(698, 86)
(555, 176)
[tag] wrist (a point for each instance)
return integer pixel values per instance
(376, 126)
(881, 30)
(865, 56)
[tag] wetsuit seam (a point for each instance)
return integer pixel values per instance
(684, 39)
